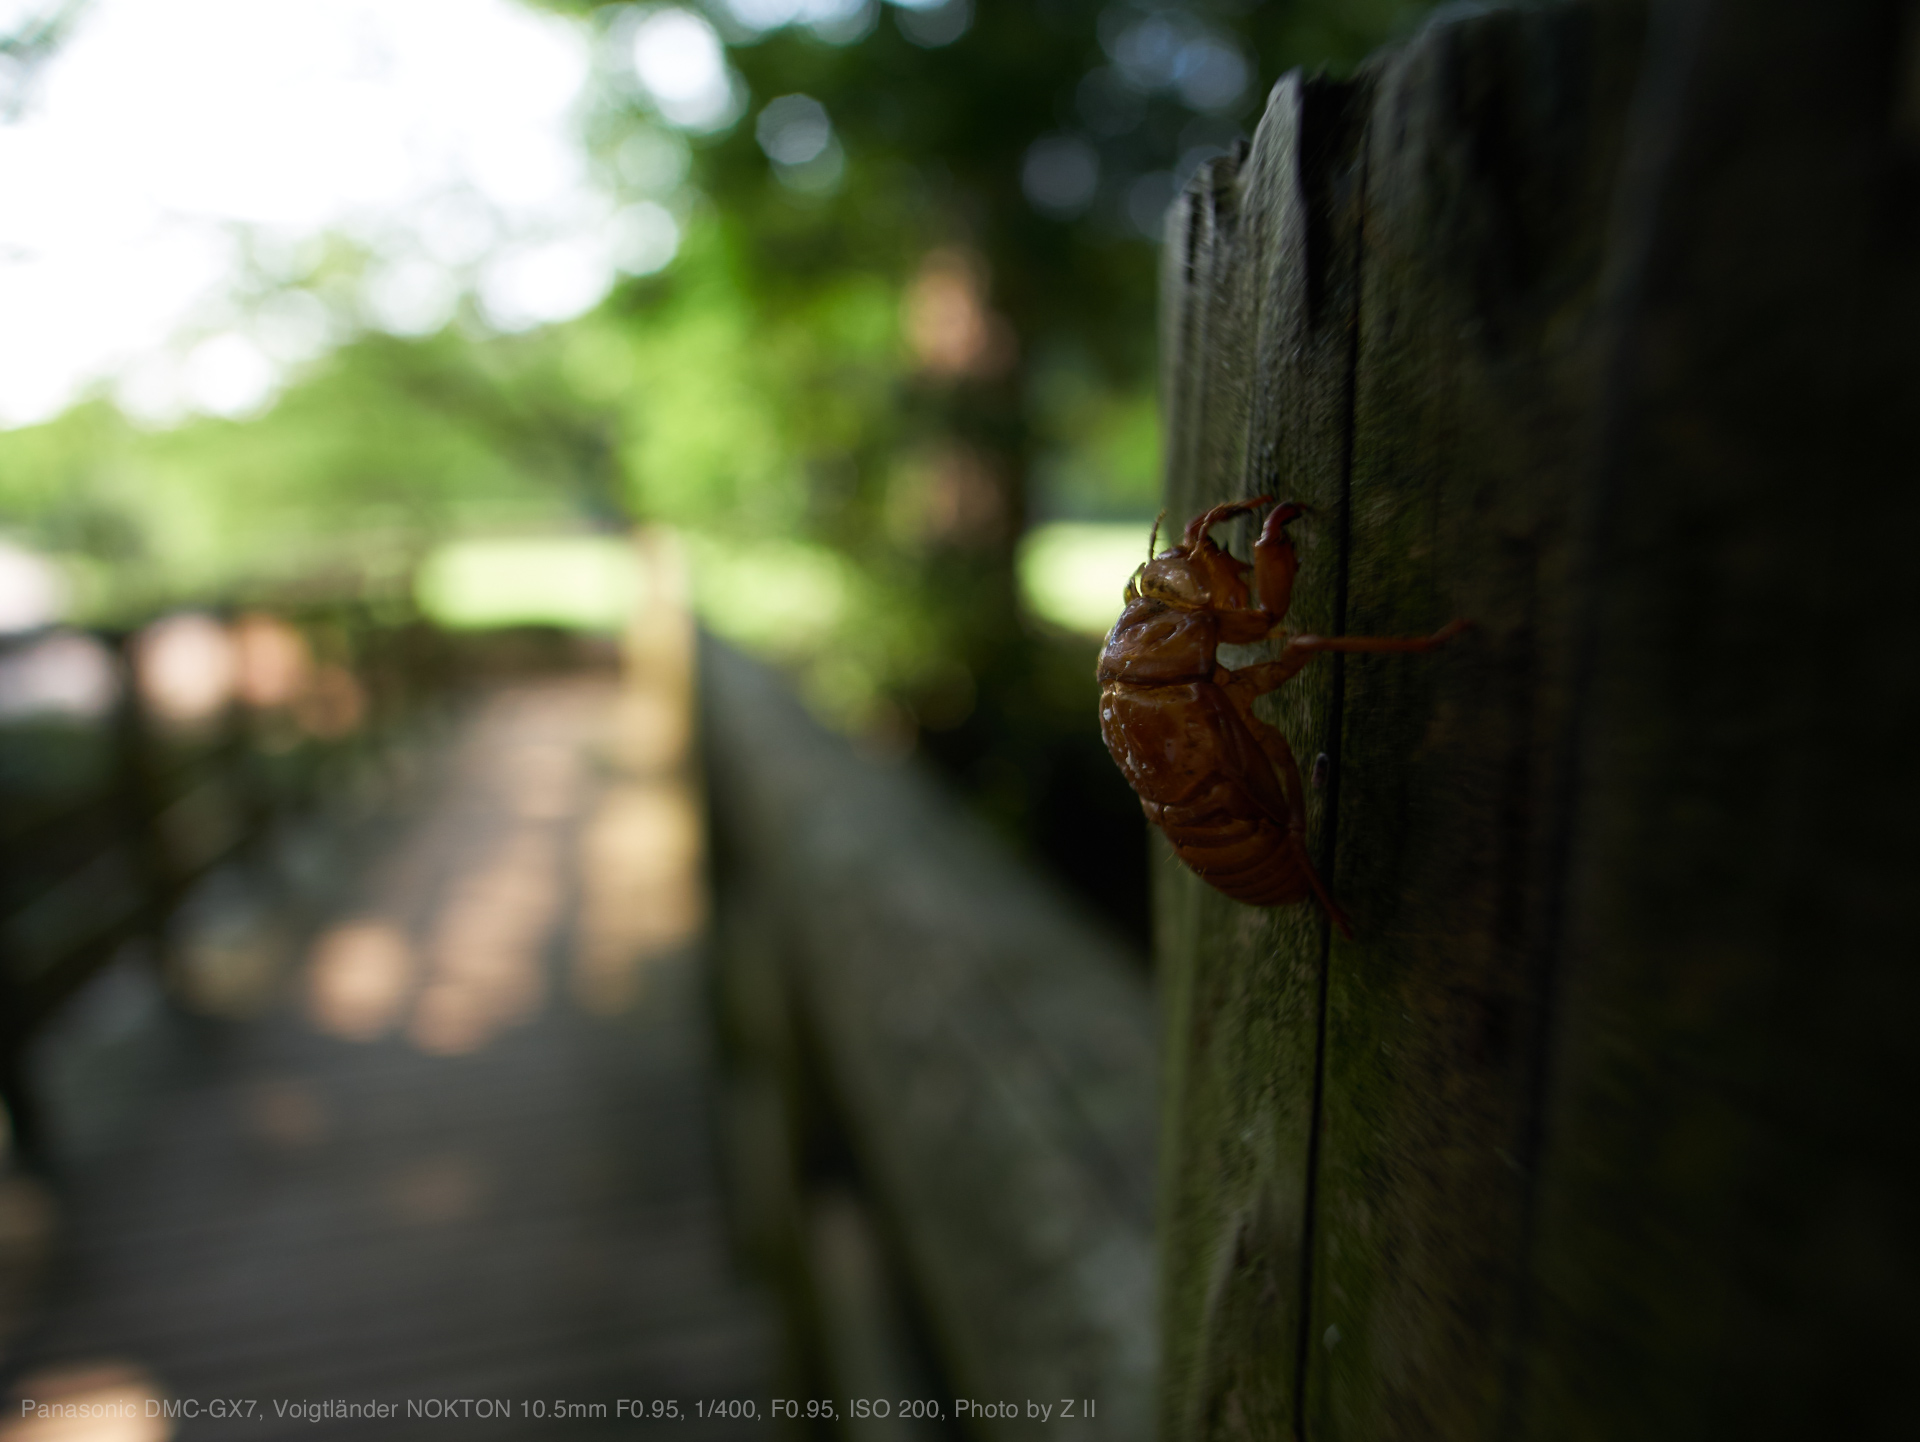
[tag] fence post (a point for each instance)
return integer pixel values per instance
(16, 1087)
(138, 790)
(1591, 322)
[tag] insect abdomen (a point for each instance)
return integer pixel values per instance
(1234, 846)
(1204, 781)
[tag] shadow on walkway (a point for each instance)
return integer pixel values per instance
(464, 1154)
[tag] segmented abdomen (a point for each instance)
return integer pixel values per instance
(1246, 856)
(1205, 782)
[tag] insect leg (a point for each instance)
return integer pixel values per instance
(1339, 918)
(1264, 676)
(1243, 685)
(1308, 646)
(1274, 562)
(1281, 754)
(1198, 527)
(1274, 744)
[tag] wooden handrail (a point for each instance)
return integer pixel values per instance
(922, 1009)
(57, 861)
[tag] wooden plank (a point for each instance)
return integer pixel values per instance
(1492, 149)
(990, 1055)
(306, 1215)
(1262, 289)
(1725, 1244)
(1611, 1125)
(860, 1325)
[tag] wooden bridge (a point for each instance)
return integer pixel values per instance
(459, 1155)
(1590, 321)
(515, 1126)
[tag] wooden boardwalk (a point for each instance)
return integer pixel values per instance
(463, 1155)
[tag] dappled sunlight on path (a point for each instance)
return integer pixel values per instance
(467, 1155)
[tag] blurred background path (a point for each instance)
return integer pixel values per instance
(465, 1153)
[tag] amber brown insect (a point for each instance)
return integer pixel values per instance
(1220, 782)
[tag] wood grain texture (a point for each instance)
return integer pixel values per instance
(1492, 146)
(1725, 1244)
(1262, 285)
(1594, 1134)
(990, 1055)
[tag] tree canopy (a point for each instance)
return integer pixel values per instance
(908, 314)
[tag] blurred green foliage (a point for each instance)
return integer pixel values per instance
(865, 373)
(383, 447)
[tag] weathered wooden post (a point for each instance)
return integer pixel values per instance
(1594, 323)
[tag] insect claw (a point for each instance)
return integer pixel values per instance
(1200, 525)
(1283, 514)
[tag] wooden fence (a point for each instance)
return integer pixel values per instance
(106, 829)
(938, 1096)
(1594, 323)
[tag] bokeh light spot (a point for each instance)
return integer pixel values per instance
(358, 977)
(679, 59)
(793, 129)
(1060, 174)
(185, 666)
(103, 1401)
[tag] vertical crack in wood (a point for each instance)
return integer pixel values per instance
(1322, 123)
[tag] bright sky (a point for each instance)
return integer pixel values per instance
(176, 163)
